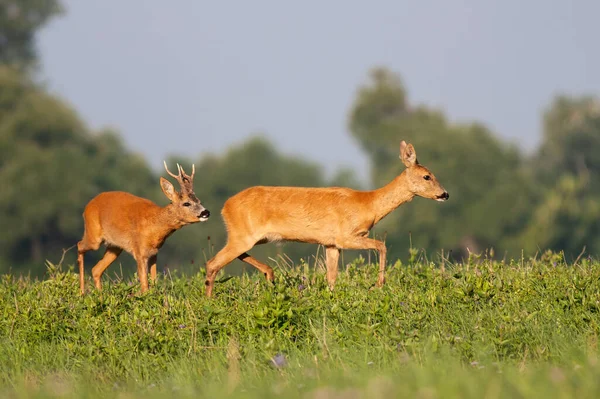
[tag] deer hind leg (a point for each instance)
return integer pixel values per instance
(230, 251)
(332, 255)
(86, 244)
(109, 257)
(367, 243)
(264, 269)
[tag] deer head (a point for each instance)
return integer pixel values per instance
(421, 181)
(188, 208)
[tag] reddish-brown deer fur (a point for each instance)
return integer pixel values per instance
(137, 225)
(337, 218)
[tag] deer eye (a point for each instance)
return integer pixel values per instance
(427, 177)
(186, 204)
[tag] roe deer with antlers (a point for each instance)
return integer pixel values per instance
(137, 225)
(337, 218)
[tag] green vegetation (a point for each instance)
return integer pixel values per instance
(479, 329)
(19, 22)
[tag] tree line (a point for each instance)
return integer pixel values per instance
(503, 200)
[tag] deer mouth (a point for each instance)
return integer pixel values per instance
(442, 197)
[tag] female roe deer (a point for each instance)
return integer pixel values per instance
(337, 218)
(137, 225)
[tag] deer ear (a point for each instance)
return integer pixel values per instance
(402, 147)
(408, 154)
(168, 189)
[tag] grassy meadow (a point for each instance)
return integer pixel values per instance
(482, 329)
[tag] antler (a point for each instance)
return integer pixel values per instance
(187, 177)
(185, 181)
(176, 176)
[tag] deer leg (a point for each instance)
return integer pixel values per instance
(91, 241)
(109, 257)
(367, 243)
(332, 255)
(81, 277)
(152, 263)
(142, 269)
(220, 260)
(82, 248)
(265, 269)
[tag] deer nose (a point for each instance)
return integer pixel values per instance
(205, 214)
(443, 197)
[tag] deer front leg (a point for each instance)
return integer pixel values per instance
(142, 269)
(367, 243)
(332, 255)
(152, 263)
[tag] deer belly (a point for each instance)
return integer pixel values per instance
(310, 235)
(272, 237)
(115, 238)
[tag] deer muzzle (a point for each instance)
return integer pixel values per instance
(204, 215)
(443, 197)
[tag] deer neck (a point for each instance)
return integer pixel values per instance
(391, 196)
(167, 221)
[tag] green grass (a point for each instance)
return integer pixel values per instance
(481, 329)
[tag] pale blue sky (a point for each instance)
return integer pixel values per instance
(189, 77)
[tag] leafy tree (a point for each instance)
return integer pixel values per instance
(40, 198)
(52, 167)
(20, 20)
(567, 165)
(490, 192)
(571, 138)
(566, 219)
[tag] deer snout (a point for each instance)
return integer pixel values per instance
(443, 197)
(205, 214)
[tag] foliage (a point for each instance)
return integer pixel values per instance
(566, 218)
(568, 166)
(571, 138)
(55, 166)
(535, 322)
(20, 20)
(490, 193)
